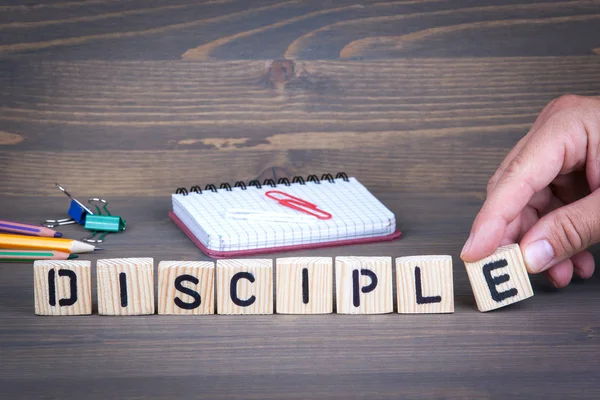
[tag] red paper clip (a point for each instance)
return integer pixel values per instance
(296, 203)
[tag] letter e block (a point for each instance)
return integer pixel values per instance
(245, 286)
(500, 279)
(364, 285)
(424, 284)
(305, 285)
(62, 287)
(125, 286)
(186, 287)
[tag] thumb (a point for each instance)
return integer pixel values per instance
(562, 233)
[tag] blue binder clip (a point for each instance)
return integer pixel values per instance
(77, 211)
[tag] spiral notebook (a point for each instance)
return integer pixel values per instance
(284, 216)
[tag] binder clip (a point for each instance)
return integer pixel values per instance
(102, 222)
(77, 212)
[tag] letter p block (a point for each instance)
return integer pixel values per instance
(500, 279)
(364, 285)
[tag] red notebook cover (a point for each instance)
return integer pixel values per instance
(279, 249)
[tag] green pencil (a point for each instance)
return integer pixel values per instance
(31, 255)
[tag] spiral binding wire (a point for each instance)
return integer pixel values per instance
(267, 182)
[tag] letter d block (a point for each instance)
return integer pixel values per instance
(186, 287)
(500, 279)
(305, 285)
(62, 287)
(364, 285)
(245, 286)
(125, 286)
(424, 285)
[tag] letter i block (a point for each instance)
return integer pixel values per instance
(305, 285)
(186, 287)
(500, 279)
(125, 286)
(364, 285)
(62, 287)
(245, 286)
(424, 284)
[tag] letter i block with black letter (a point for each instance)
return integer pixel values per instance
(186, 287)
(305, 285)
(62, 287)
(424, 284)
(125, 286)
(364, 285)
(245, 286)
(500, 279)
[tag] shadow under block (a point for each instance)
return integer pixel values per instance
(304, 285)
(245, 286)
(364, 285)
(125, 286)
(500, 279)
(424, 285)
(62, 287)
(186, 287)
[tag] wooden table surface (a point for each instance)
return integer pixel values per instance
(420, 100)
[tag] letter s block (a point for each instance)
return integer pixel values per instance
(186, 287)
(125, 286)
(500, 279)
(245, 286)
(62, 287)
(364, 285)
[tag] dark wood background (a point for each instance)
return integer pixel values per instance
(420, 100)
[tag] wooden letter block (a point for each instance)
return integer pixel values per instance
(500, 279)
(125, 286)
(424, 284)
(245, 286)
(62, 287)
(364, 285)
(305, 285)
(186, 287)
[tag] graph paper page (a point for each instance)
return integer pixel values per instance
(356, 213)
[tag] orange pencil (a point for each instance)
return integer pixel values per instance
(19, 242)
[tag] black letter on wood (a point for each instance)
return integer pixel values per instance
(305, 285)
(356, 283)
(123, 287)
(495, 281)
(197, 300)
(73, 286)
(233, 289)
(419, 288)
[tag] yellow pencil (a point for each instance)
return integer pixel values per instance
(8, 241)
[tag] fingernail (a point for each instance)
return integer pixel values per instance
(467, 245)
(553, 282)
(538, 255)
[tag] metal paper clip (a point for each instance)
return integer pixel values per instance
(103, 222)
(257, 215)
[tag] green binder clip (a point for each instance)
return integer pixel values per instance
(102, 222)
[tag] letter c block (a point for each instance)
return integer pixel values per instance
(364, 285)
(245, 286)
(500, 279)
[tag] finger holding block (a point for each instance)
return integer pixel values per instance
(364, 285)
(186, 287)
(125, 286)
(245, 286)
(424, 284)
(62, 287)
(305, 285)
(500, 279)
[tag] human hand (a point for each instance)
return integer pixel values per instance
(545, 194)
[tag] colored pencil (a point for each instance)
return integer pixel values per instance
(30, 255)
(27, 229)
(8, 241)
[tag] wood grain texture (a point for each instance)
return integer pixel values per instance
(304, 285)
(136, 275)
(254, 289)
(436, 291)
(80, 301)
(419, 99)
(202, 271)
(505, 282)
(363, 285)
